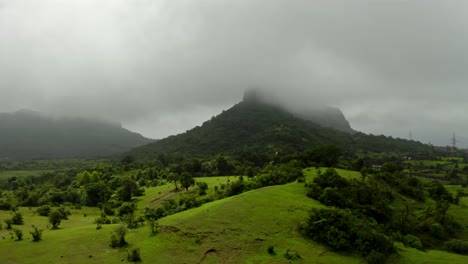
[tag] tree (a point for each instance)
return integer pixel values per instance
(55, 218)
(17, 218)
(96, 192)
(118, 236)
(19, 234)
(127, 189)
(174, 177)
(186, 180)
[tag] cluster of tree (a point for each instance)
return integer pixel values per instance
(380, 203)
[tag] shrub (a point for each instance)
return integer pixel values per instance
(134, 255)
(102, 220)
(64, 213)
(118, 237)
(271, 250)
(412, 241)
(8, 223)
(457, 246)
(107, 209)
(126, 208)
(437, 230)
(17, 219)
(292, 256)
(154, 226)
(202, 187)
(375, 257)
(43, 210)
(5, 205)
(346, 231)
(55, 218)
(19, 234)
(36, 234)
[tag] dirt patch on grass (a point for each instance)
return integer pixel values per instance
(163, 198)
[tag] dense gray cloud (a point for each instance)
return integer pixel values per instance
(162, 67)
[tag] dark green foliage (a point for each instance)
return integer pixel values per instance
(96, 192)
(118, 237)
(344, 230)
(5, 205)
(102, 220)
(412, 241)
(36, 234)
(202, 187)
(126, 208)
(154, 226)
(55, 218)
(43, 210)
(326, 155)
(375, 257)
(291, 256)
(134, 255)
(18, 233)
(17, 218)
(186, 180)
(254, 132)
(133, 221)
(457, 246)
(128, 188)
(271, 250)
(371, 198)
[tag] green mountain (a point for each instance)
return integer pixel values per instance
(26, 135)
(262, 127)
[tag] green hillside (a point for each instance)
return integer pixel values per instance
(237, 229)
(261, 128)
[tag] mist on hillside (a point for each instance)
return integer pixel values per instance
(162, 67)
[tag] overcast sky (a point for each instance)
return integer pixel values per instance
(163, 67)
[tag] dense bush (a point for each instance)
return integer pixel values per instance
(457, 246)
(55, 218)
(134, 255)
(118, 237)
(43, 210)
(19, 234)
(343, 230)
(412, 241)
(17, 218)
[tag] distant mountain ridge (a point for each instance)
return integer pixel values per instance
(258, 127)
(27, 134)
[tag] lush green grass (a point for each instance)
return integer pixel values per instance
(406, 255)
(237, 229)
(156, 195)
(311, 173)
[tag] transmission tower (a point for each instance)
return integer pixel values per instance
(454, 141)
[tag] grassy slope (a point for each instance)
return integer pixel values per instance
(239, 228)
